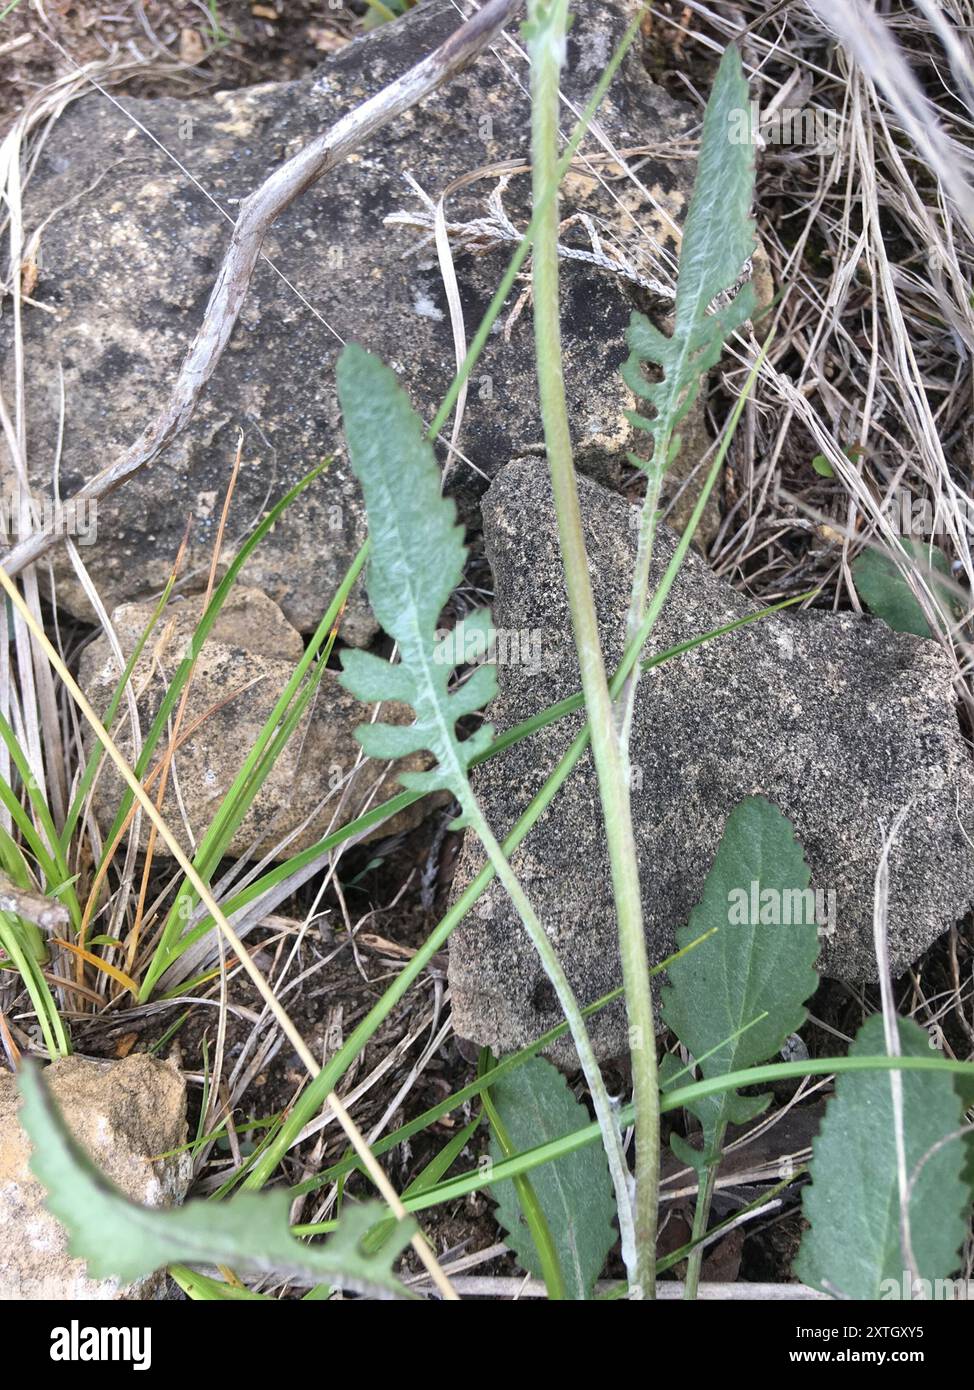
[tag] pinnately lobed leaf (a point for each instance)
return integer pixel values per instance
(415, 563)
(118, 1238)
(718, 238)
(575, 1192)
(734, 1000)
(852, 1248)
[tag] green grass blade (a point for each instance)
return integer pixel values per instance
(277, 729)
(98, 752)
(51, 1025)
(526, 1162)
(200, 635)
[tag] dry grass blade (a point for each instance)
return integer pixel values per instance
(875, 50)
(874, 325)
(257, 215)
(133, 942)
(284, 1022)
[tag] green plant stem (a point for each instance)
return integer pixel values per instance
(765, 1200)
(608, 1123)
(701, 1217)
(520, 255)
(640, 622)
(662, 590)
(626, 703)
(547, 51)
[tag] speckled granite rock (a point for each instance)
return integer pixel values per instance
(320, 781)
(122, 1113)
(836, 719)
(131, 249)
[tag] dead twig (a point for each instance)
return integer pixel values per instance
(33, 907)
(257, 215)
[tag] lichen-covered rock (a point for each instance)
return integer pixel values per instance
(123, 1114)
(320, 780)
(838, 720)
(130, 247)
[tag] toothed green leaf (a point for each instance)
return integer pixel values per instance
(853, 1248)
(760, 962)
(118, 1238)
(718, 238)
(574, 1192)
(416, 561)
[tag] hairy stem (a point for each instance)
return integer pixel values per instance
(502, 293)
(626, 703)
(547, 53)
(604, 1112)
(701, 1218)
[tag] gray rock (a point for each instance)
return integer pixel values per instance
(130, 252)
(122, 1114)
(836, 719)
(320, 780)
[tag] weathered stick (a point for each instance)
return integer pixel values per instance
(33, 907)
(257, 214)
